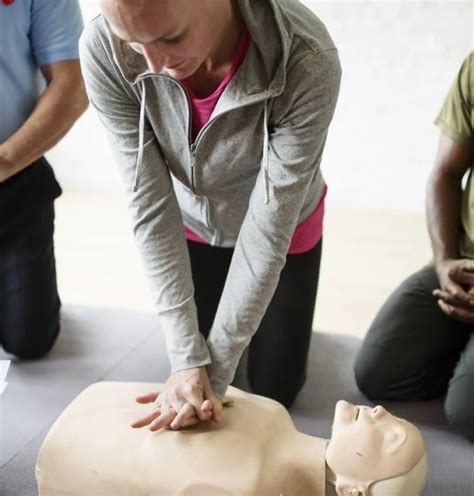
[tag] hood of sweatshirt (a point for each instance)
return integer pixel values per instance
(267, 78)
(268, 75)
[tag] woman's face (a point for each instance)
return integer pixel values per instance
(175, 35)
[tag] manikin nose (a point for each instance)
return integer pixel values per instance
(378, 411)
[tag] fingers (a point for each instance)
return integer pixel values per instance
(212, 403)
(217, 411)
(207, 406)
(147, 398)
(167, 417)
(461, 314)
(455, 275)
(451, 300)
(186, 398)
(467, 265)
(196, 399)
(190, 422)
(164, 420)
(186, 413)
(147, 419)
(213, 407)
(462, 276)
(456, 291)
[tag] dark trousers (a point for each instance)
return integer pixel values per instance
(29, 301)
(277, 355)
(414, 351)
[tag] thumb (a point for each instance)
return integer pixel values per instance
(216, 404)
(207, 406)
(217, 410)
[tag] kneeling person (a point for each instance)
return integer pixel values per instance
(421, 344)
(35, 37)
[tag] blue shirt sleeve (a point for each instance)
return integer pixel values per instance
(56, 26)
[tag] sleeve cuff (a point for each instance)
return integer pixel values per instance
(44, 58)
(185, 345)
(450, 132)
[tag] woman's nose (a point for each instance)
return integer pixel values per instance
(155, 57)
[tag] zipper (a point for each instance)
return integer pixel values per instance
(193, 166)
(194, 144)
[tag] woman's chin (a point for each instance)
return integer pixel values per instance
(181, 72)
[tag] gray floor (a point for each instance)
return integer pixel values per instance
(98, 344)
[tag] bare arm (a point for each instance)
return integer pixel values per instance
(443, 199)
(56, 111)
(443, 211)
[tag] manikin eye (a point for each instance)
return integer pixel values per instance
(357, 415)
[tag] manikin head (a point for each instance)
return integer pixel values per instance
(178, 36)
(371, 452)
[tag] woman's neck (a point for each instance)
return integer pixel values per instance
(217, 65)
(228, 39)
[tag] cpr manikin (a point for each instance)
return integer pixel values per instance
(255, 450)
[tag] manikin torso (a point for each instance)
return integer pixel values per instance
(91, 450)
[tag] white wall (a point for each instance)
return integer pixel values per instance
(399, 59)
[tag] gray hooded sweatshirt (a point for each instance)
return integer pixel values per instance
(248, 179)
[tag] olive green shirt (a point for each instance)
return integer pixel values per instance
(456, 120)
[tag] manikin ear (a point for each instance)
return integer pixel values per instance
(393, 438)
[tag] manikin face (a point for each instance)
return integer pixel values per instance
(369, 445)
(175, 35)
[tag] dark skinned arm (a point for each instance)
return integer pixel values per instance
(443, 211)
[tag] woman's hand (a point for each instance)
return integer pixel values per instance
(186, 399)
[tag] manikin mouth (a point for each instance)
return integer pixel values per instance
(357, 414)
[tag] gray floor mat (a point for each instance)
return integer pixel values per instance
(106, 344)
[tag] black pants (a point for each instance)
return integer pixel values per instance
(277, 355)
(414, 351)
(29, 301)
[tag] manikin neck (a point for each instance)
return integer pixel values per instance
(330, 487)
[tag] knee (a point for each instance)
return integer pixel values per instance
(459, 407)
(368, 373)
(32, 344)
(24, 352)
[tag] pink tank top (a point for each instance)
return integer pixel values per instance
(310, 231)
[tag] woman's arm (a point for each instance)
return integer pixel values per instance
(156, 217)
(300, 121)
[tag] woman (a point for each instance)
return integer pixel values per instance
(218, 112)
